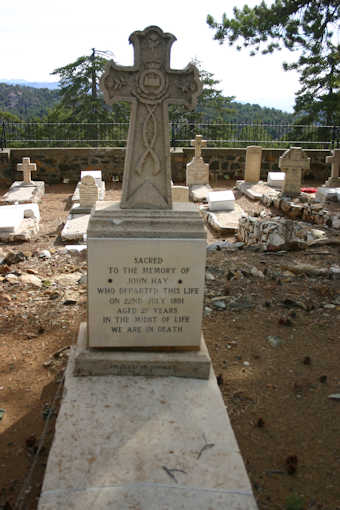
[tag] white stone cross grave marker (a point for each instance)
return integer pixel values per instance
(150, 85)
(198, 143)
(334, 160)
(27, 167)
(293, 162)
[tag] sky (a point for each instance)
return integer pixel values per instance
(37, 36)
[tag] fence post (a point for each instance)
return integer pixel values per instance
(3, 136)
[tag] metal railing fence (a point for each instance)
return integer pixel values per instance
(111, 134)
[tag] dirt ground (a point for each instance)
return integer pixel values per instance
(274, 343)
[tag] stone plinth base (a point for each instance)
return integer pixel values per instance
(193, 364)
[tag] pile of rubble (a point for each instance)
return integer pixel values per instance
(277, 233)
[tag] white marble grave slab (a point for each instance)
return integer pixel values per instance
(221, 200)
(128, 443)
(75, 227)
(145, 292)
(276, 179)
(19, 192)
(11, 217)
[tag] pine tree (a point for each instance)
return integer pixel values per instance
(307, 25)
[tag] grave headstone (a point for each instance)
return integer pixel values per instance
(150, 294)
(276, 179)
(334, 160)
(97, 176)
(19, 222)
(197, 172)
(149, 85)
(221, 200)
(253, 164)
(27, 168)
(88, 192)
(293, 162)
(180, 193)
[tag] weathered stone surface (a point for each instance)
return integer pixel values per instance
(24, 194)
(90, 362)
(256, 191)
(253, 164)
(19, 222)
(101, 192)
(199, 192)
(75, 226)
(334, 159)
(88, 192)
(150, 85)
(27, 167)
(118, 439)
(180, 193)
(224, 221)
(197, 172)
(293, 162)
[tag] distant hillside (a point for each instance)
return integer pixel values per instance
(52, 85)
(27, 102)
(30, 102)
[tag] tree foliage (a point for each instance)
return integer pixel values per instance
(81, 97)
(26, 102)
(306, 25)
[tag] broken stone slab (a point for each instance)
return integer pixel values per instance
(224, 221)
(256, 191)
(144, 442)
(276, 179)
(19, 222)
(199, 192)
(75, 227)
(94, 362)
(221, 200)
(21, 193)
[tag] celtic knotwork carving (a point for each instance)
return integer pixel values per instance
(149, 137)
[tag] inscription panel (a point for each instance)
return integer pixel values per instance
(145, 293)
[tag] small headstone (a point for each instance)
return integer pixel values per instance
(293, 162)
(88, 192)
(27, 167)
(253, 164)
(96, 174)
(334, 160)
(180, 193)
(276, 179)
(197, 172)
(324, 193)
(221, 200)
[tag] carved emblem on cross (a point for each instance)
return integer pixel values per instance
(150, 85)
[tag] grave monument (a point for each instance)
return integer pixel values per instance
(141, 445)
(25, 191)
(27, 168)
(146, 256)
(197, 173)
(293, 162)
(253, 164)
(334, 160)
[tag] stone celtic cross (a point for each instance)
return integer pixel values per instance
(293, 161)
(27, 167)
(150, 86)
(198, 143)
(334, 159)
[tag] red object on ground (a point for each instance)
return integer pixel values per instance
(309, 190)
